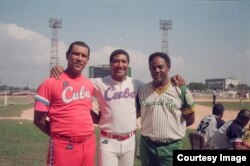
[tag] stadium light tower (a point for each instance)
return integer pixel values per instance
(55, 24)
(165, 25)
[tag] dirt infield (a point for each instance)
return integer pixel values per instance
(201, 111)
(27, 114)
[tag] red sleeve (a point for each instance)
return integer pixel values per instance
(44, 96)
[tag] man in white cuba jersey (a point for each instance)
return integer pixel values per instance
(165, 112)
(117, 121)
(230, 135)
(211, 123)
(116, 98)
(116, 103)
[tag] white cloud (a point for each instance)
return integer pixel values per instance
(101, 56)
(244, 55)
(18, 33)
(24, 55)
(22, 46)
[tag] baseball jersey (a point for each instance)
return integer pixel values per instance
(227, 134)
(161, 113)
(68, 103)
(116, 103)
(208, 126)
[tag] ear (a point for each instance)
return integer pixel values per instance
(67, 56)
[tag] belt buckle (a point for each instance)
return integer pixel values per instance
(123, 137)
(168, 142)
(76, 139)
(79, 139)
(72, 139)
(119, 138)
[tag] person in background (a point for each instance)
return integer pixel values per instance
(211, 123)
(62, 111)
(246, 138)
(165, 111)
(214, 96)
(230, 135)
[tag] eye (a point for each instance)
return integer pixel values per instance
(79, 54)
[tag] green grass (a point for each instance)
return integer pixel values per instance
(13, 110)
(21, 143)
(236, 105)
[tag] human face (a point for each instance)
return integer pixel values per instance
(77, 59)
(244, 121)
(159, 71)
(119, 67)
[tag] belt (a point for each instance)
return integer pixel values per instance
(74, 139)
(121, 137)
(157, 143)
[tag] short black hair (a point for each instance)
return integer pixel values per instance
(117, 52)
(80, 43)
(244, 113)
(218, 109)
(162, 55)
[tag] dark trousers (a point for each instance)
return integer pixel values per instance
(214, 99)
(156, 153)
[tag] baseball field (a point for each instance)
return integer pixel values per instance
(21, 143)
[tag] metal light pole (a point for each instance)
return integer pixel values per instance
(54, 24)
(165, 25)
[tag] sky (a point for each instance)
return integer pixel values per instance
(208, 39)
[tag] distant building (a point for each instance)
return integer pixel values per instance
(101, 71)
(222, 83)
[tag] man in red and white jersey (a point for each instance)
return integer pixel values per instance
(62, 111)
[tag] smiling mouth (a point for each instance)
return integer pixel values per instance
(157, 76)
(78, 65)
(119, 71)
